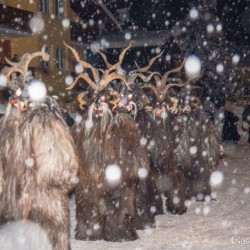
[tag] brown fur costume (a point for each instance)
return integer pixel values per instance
(39, 166)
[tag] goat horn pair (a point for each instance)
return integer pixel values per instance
(111, 67)
(22, 66)
(165, 76)
(145, 69)
(107, 77)
(161, 94)
(144, 78)
(86, 65)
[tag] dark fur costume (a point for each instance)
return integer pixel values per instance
(196, 150)
(106, 211)
(169, 179)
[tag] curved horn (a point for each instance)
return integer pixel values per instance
(104, 57)
(165, 76)
(27, 59)
(167, 87)
(116, 100)
(85, 77)
(144, 78)
(23, 64)
(175, 80)
(145, 69)
(195, 104)
(118, 64)
(81, 98)
(94, 71)
(154, 88)
(174, 109)
(109, 78)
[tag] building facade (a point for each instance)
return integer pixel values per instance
(25, 26)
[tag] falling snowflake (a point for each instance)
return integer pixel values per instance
(220, 68)
(216, 178)
(128, 36)
(210, 28)
(68, 80)
(37, 91)
(79, 68)
(143, 141)
(193, 150)
(113, 174)
(66, 23)
(193, 13)
(142, 173)
(235, 59)
(36, 23)
(192, 66)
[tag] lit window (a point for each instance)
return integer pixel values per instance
(44, 6)
(60, 58)
(60, 8)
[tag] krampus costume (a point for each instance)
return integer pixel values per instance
(156, 126)
(108, 142)
(38, 162)
(197, 148)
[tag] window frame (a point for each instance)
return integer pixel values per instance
(44, 6)
(60, 58)
(59, 4)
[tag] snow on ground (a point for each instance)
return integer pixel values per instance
(220, 224)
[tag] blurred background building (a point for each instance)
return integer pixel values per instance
(218, 35)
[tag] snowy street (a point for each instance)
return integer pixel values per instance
(220, 224)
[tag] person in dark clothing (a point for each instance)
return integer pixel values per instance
(230, 131)
(209, 109)
(246, 120)
(15, 58)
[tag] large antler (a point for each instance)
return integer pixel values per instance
(137, 73)
(104, 57)
(22, 66)
(165, 76)
(107, 77)
(86, 65)
(85, 77)
(145, 69)
(144, 78)
(160, 93)
(118, 64)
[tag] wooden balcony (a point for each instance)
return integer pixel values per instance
(14, 22)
